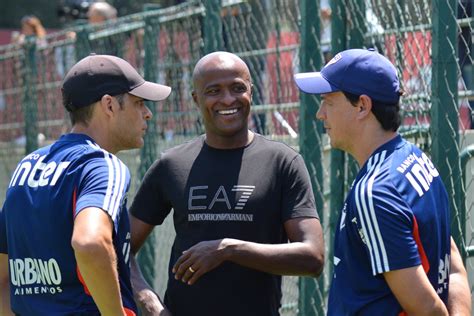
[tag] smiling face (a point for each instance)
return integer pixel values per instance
(339, 118)
(223, 93)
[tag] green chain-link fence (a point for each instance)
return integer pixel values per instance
(429, 41)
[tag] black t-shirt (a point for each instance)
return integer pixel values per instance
(245, 193)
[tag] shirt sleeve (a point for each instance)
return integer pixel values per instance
(104, 184)
(386, 228)
(298, 197)
(3, 232)
(150, 203)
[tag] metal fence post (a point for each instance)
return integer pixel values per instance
(83, 46)
(29, 105)
(311, 302)
(146, 256)
(212, 26)
(356, 40)
(444, 110)
(465, 156)
(336, 198)
(358, 30)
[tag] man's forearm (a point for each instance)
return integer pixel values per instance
(459, 299)
(98, 268)
(5, 308)
(303, 255)
(147, 299)
(296, 258)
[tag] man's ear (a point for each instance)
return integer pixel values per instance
(252, 90)
(193, 94)
(365, 105)
(107, 104)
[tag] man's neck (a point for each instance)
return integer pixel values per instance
(227, 142)
(369, 144)
(96, 133)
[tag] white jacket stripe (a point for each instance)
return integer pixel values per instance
(116, 182)
(108, 194)
(366, 211)
(120, 187)
(359, 199)
(384, 261)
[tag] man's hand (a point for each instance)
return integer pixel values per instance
(303, 255)
(198, 260)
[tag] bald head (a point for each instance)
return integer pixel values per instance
(223, 94)
(99, 12)
(218, 62)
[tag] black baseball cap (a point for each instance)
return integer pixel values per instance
(96, 75)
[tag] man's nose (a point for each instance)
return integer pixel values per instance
(148, 114)
(319, 113)
(228, 98)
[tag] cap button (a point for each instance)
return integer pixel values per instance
(92, 54)
(371, 49)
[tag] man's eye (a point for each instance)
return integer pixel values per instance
(240, 88)
(212, 91)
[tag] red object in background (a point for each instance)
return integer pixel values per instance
(6, 36)
(281, 86)
(416, 76)
(47, 99)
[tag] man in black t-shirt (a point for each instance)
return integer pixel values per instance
(238, 198)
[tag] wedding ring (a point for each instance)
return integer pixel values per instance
(191, 269)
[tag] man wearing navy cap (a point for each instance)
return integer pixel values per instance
(393, 251)
(64, 226)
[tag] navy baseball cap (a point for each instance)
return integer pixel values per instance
(357, 71)
(96, 75)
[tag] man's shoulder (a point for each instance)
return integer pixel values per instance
(75, 145)
(274, 146)
(393, 170)
(404, 160)
(79, 150)
(186, 148)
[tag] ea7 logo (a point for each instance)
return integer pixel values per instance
(197, 193)
(247, 191)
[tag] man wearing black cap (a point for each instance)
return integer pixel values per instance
(64, 227)
(393, 253)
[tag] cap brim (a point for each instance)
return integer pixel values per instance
(151, 91)
(313, 82)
